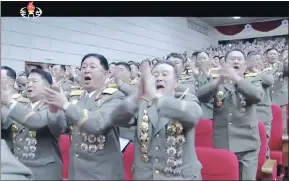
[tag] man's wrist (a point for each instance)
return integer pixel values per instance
(65, 106)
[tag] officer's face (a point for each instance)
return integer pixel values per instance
(178, 63)
(57, 72)
(236, 60)
(21, 83)
(111, 68)
(255, 62)
(134, 71)
(165, 77)
(35, 85)
(203, 61)
(272, 56)
(92, 74)
(5, 80)
(122, 72)
(215, 62)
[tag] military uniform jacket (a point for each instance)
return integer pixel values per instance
(235, 125)
(165, 137)
(95, 149)
(208, 106)
(186, 82)
(6, 123)
(264, 111)
(65, 84)
(35, 140)
(279, 90)
(11, 168)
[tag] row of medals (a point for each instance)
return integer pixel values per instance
(220, 97)
(30, 142)
(92, 143)
(175, 142)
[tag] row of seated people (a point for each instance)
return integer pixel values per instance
(221, 164)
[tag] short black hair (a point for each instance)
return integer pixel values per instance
(251, 53)
(198, 53)
(168, 63)
(36, 65)
(216, 56)
(129, 62)
(112, 63)
(176, 55)
(269, 49)
(233, 50)
(63, 67)
(195, 54)
(10, 72)
(146, 60)
(45, 75)
(134, 63)
(102, 60)
(126, 65)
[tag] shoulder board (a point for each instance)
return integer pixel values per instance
(267, 69)
(133, 82)
(109, 91)
(76, 93)
(251, 75)
(215, 75)
(112, 86)
(23, 99)
(15, 96)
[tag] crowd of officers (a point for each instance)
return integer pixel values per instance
(155, 104)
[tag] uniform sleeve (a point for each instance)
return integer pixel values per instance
(126, 89)
(124, 114)
(11, 168)
(28, 117)
(93, 121)
(5, 121)
(267, 79)
(186, 110)
(56, 123)
(251, 90)
(206, 93)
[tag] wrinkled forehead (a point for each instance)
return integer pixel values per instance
(236, 54)
(163, 68)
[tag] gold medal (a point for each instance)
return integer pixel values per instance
(32, 134)
(144, 149)
(145, 157)
(243, 110)
(144, 126)
(144, 137)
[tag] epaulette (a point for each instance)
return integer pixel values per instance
(23, 99)
(15, 96)
(112, 86)
(109, 91)
(267, 69)
(76, 93)
(251, 75)
(215, 75)
(133, 82)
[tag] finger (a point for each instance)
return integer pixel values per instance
(50, 91)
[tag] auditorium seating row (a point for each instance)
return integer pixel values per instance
(273, 168)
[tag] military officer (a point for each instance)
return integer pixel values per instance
(95, 148)
(126, 86)
(235, 125)
(8, 77)
(165, 136)
(34, 134)
(279, 91)
(254, 69)
(59, 74)
(134, 76)
(185, 81)
(203, 78)
(21, 81)
(11, 168)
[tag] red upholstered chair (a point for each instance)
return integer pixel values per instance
(218, 164)
(275, 142)
(128, 158)
(267, 169)
(204, 133)
(64, 144)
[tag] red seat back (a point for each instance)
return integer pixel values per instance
(128, 159)
(275, 142)
(218, 164)
(64, 144)
(263, 148)
(204, 133)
